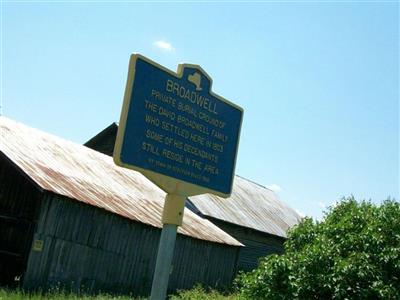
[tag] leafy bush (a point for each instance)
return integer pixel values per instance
(354, 253)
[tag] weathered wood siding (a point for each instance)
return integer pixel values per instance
(18, 203)
(257, 244)
(91, 249)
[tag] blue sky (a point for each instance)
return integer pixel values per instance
(318, 81)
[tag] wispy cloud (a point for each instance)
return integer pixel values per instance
(321, 205)
(274, 187)
(164, 45)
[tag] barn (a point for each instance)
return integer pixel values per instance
(70, 217)
(253, 214)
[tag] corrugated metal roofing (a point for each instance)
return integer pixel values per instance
(75, 171)
(250, 205)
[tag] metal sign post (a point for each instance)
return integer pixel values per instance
(180, 135)
(172, 218)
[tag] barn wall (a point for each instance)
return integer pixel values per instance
(85, 247)
(257, 244)
(197, 261)
(18, 205)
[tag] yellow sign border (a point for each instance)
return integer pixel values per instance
(168, 184)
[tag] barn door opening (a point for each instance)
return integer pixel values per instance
(15, 240)
(19, 199)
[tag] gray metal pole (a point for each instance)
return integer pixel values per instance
(164, 260)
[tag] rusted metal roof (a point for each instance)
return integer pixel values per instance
(75, 171)
(250, 205)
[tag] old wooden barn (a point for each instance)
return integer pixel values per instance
(253, 215)
(69, 216)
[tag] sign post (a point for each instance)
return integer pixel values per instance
(171, 219)
(183, 137)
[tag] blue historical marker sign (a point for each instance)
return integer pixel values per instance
(176, 131)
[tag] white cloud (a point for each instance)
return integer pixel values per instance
(321, 204)
(164, 45)
(274, 187)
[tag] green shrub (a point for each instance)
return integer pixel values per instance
(353, 253)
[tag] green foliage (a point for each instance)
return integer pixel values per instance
(200, 293)
(354, 253)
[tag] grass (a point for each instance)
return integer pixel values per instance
(197, 293)
(55, 295)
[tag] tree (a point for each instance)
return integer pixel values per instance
(353, 253)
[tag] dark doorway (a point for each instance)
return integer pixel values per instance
(18, 203)
(15, 241)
